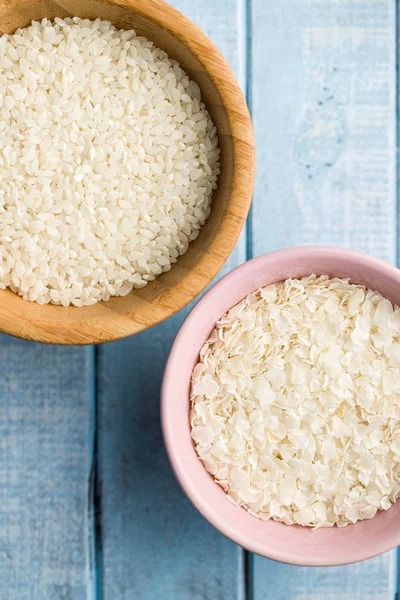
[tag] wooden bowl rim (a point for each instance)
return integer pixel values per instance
(90, 325)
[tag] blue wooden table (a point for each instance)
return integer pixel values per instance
(89, 508)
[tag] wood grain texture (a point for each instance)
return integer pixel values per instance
(324, 118)
(43, 472)
(323, 99)
(120, 317)
(155, 545)
(371, 580)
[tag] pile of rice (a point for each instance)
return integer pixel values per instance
(108, 161)
(295, 403)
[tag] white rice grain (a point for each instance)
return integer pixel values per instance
(108, 161)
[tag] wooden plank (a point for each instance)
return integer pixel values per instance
(323, 99)
(154, 543)
(324, 110)
(43, 472)
(371, 580)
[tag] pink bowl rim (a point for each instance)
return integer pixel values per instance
(195, 496)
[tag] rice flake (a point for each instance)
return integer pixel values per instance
(295, 403)
(109, 160)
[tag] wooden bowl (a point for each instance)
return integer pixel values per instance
(123, 316)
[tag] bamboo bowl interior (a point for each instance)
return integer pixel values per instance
(161, 298)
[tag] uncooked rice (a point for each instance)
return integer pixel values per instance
(108, 161)
(295, 403)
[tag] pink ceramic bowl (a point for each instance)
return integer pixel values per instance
(291, 544)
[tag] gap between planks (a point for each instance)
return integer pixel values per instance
(247, 30)
(247, 19)
(94, 537)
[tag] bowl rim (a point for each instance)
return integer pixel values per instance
(167, 418)
(105, 321)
